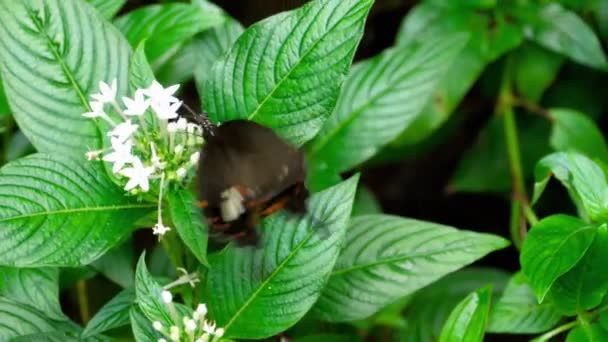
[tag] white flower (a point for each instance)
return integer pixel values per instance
(160, 229)
(178, 149)
(192, 128)
(166, 111)
(107, 93)
(138, 175)
(120, 156)
(182, 124)
(157, 325)
(219, 332)
(162, 340)
(167, 297)
(96, 110)
(190, 325)
(171, 127)
(174, 335)
(201, 309)
(181, 172)
(194, 157)
(156, 162)
(123, 131)
(209, 328)
(136, 106)
(160, 95)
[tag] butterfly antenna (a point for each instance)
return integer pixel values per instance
(203, 120)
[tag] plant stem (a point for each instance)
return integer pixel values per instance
(554, 332)
(83, 303)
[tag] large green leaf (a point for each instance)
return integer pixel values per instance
(107, 8)
(518, 312)
(587, 333)
(575, 131)
(430, 307)
(117, 265)
(18, 319)
(211, 45)
(4, 109)
(114, 314)
(165, 26)
(142, 327)
(583, 287)
(256, 293)
(381, 97)
(189, 223)
(59, 211)
(286, 71)
(467, 322)
(584, 179)
(388, 257)
(36, 287)
(148, 295)
(54, 53)
(552, 247)
(562, 31)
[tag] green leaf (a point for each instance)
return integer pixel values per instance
(430, 307)
(373, 97)
(491, 36)
(59, 211)
(114, 314)
(583, 287)
(563, 32)
(365, 203)
(209, 46)
(285, 72)
(142, 327)
(388, 257)
(587, 333)
(518, 312)
(107, 8)
(140, 72)
(584, 179)
(148, 294)
(552, 247)
(117, 265)
(180, 67)
(272, 287)
(534, 69)
(165, 26)
(36, 287)
(467, 322)
(18, 319)
(575, 131)
(189, 223)
(53, 54)
(4, 109)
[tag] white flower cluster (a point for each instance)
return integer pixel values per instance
(153, 149)
(193, 329)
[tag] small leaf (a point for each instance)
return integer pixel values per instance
(114, 314)
(54, 53)
(148, 294)
(209, 46)
(107, 8)
(271, 288)
(36, 287)
(587, 333)
(552, 247)
(60, 211)
(518, 312)
(584, 179)
(165, 26)
(534, 69)
(388, 257)
(365, 203)
(467, 322)
(575, 131)
(285, 72)
(371, 110)
(189, 223)
(142, 327)
(141, 75)
(117, 265)
(583, 287)
(564, 32)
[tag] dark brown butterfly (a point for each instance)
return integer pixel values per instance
(247, 172)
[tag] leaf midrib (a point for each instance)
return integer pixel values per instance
(79, 210)
(295, 66)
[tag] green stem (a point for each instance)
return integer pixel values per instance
(554, 332)
(83, 302)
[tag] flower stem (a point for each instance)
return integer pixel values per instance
(554, 332)
(83, 303)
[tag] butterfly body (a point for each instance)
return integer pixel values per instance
(247, 172)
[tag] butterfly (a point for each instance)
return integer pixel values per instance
(247, 172)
